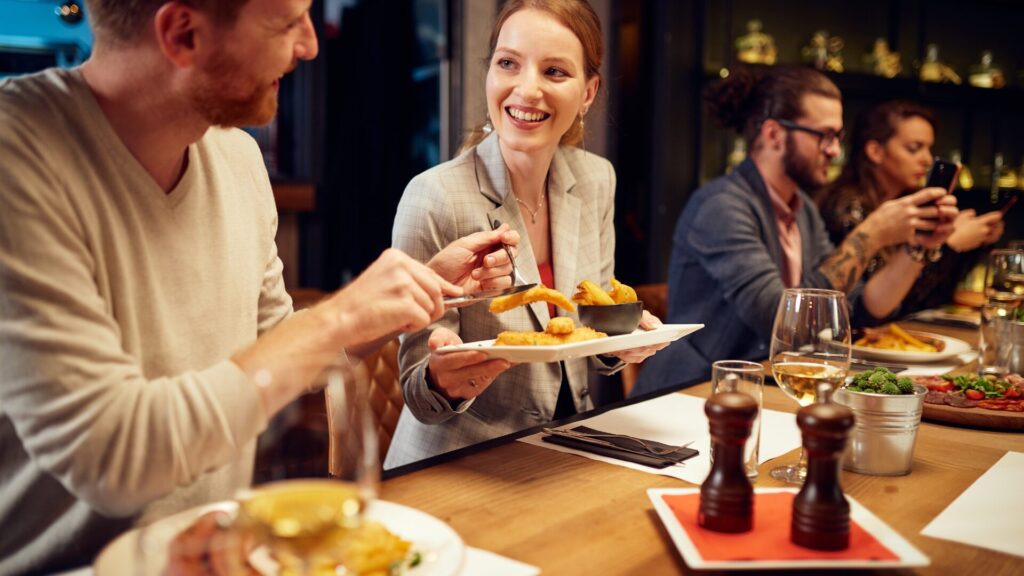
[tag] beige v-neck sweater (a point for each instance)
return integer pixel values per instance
(119, 308)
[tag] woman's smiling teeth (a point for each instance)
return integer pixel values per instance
(523, 116)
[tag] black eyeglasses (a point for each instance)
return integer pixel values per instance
(825, 137)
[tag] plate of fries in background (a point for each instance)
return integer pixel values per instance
(890, 342)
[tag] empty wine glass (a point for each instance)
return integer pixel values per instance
(810, 344)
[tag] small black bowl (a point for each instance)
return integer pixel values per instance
(612, 319)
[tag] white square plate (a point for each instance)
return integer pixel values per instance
(909, 556)
(557, 353)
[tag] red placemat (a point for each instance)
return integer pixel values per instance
(769, 540)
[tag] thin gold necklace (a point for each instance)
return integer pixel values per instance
(533, 213)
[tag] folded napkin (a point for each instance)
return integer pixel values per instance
(484, 562)
(769, 540)
(628, 451)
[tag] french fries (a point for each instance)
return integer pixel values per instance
(590, 294)
(892, 337)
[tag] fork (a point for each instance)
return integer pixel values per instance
(517, 280)
(653, 450)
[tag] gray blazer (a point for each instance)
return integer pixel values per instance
(463, 196)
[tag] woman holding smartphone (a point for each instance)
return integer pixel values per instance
(891, 154)
(523, 168)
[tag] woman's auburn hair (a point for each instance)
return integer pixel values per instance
(576, 15)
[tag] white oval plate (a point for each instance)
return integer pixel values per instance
(559, 352)
(954, 347)
(440, 547)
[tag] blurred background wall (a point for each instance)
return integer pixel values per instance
(399, 81)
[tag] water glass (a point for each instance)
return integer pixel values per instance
(746, 378)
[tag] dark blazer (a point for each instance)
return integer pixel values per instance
(725, 272)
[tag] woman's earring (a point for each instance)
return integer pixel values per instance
(487, 125)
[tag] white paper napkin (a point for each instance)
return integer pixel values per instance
(990, 513)
(676, 419)
(483, 562)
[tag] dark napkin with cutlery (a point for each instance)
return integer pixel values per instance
(623, 448)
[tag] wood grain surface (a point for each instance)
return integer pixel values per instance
(571, 515)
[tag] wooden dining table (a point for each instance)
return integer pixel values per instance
(568, 514)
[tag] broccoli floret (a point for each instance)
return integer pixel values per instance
(890, 388)
(906, 385)
(854, 389)
(878, 379)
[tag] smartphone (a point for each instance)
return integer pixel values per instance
(1009, 204)
(942, 175)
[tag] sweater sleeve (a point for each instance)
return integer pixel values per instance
(80, 404)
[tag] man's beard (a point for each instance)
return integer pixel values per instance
(800, 169)
(216, 97)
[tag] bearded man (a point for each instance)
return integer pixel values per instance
(745, 237)
(145, 333)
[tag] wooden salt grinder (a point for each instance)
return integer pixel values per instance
(821, 514)
(726, 496)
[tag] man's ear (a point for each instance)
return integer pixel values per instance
(874, 150)
(177, 28)
(772, 135)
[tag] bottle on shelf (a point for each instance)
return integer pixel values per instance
(1005, 175)
(821, 513)
(985, 74)
(737, 155)
(932, 70)
(883, 62)
(756, 47)
(965, 180)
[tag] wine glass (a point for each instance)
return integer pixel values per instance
(307, 524)
(810, 345)
(1004, 291)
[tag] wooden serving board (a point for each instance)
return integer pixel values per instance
(977, 417)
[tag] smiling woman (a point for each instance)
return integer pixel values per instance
(542, 78)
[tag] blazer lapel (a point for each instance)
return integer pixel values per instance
(565, 224)
(749, 172)
(496, 186)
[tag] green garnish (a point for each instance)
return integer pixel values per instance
(880, 380)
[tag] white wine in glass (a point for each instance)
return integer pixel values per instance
(303, 523)
(810, 345)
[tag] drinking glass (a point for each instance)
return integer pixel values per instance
(747, 378)
(999, 340)
(810, 344)
(306, 524)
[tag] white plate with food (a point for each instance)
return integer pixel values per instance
(898, 345)
(558, 352)
(440, 550)
(774, 543)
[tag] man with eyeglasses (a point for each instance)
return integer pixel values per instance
(745, 237)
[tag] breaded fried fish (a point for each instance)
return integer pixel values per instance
(539, 293)
(560, 325)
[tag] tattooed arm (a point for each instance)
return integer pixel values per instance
(847, 264)
(894, 222)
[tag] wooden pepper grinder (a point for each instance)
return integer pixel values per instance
(726, 496)
(821, 514)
